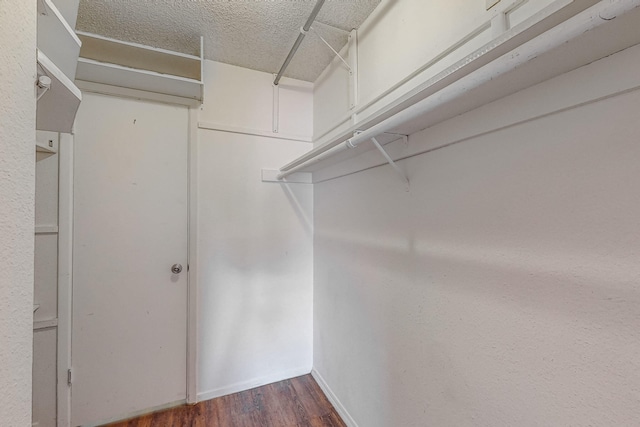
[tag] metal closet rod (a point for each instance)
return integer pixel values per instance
(303, 32)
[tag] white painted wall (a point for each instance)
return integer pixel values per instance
(255, 243)
(241, 98)
(17, 166)
(503, 288)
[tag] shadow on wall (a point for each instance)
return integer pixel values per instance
(451, 328)
(256, 281)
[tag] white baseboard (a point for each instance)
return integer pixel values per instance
(342, 411)
(253, 383)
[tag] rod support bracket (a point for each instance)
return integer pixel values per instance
(401, 174)
(405, 138)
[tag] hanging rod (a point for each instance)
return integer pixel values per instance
(303, 32)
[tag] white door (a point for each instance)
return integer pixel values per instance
(129, 334)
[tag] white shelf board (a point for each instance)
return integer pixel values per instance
(57, 108)
(140, 57)
(57, 39)
(115, 75)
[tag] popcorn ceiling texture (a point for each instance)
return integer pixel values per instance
(17, 187)
(247, 33)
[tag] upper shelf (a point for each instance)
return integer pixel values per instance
(545, 49)
(58, 50)
(56, 38)
(134, 66)
(58, 106)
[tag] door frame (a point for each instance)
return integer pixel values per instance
(65, 247)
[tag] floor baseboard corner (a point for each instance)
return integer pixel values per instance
(342, 411)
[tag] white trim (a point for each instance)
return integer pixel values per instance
(105, 89)
(253, 383)
(342, 411)
(40, 325)
(192, 259)
(254, 132)
(46, 229)
(139, 413)
(65, 276)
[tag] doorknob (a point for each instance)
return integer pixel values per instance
(176, 268)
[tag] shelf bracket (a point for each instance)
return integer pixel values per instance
(346, 64)
(403, 176)
(405, 138)
(271, 175)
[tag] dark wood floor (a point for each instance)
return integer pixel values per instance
(298, 402)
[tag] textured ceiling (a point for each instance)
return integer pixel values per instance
(255, 34)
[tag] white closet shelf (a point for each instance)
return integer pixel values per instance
(116, 75)
(57, 107)
(56, 38)
(545, 50)
(134, 66)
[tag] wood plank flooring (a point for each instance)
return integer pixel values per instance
(298, 402)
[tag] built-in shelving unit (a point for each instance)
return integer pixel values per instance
(134, 66)
(58, 50)
(529, 53)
